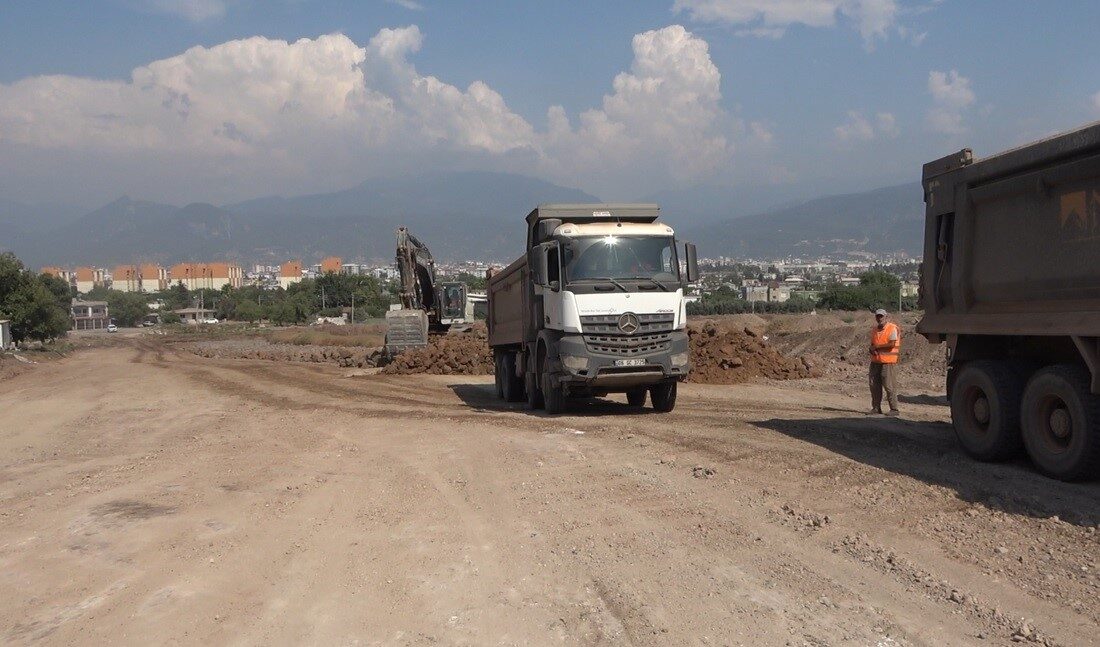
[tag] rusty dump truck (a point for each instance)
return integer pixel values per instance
(594, 306)
(1011, 283)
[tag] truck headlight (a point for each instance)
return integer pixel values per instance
(680, 359)
(574, 363)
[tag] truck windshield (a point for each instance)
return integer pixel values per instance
(651, 258)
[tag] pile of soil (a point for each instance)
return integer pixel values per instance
(729, 355)
(345, 356)
(452, 354)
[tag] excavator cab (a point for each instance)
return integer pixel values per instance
(452, 306)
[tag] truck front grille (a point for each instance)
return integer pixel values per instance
(628, 344)
(609, 324)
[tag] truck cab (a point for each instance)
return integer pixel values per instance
(595, 306)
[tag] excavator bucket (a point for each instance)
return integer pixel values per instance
(405, 329)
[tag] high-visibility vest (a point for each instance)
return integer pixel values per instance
(890, 334)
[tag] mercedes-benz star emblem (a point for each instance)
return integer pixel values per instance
(629, 324)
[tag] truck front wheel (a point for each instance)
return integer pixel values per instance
(1061, 423)
(636, 397)
(985, 409)
(553, 397)
(663, 396)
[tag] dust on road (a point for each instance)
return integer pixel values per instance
(151, 497)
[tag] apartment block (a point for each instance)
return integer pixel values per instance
(66, 275)
(290, 272)
(89, 278)
(126, 278)
(332, 264)
(211, 276)
(154, 278)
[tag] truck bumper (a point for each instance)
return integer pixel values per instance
(579, 368)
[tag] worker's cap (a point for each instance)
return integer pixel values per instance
(880, 313)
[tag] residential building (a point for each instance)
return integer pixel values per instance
(126, 278)
(755, 292)
(194, 316)
(90, 278)
(211, 276)
(89, 315)
(61, 273)
(5, 334)
(331, 264)
(154, 278)
(290, 272)
(910, 289)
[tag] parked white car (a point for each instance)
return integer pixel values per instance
(211, 320)
(112, 328)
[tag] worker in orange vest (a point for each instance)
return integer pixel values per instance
(885, 350)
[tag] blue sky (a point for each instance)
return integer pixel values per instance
(806, 96)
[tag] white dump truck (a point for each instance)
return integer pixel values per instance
(595, 306)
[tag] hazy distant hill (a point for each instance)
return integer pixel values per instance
(882, 221)
(459, 215)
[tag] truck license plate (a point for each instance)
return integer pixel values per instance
(630, 362)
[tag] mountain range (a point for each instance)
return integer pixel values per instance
(460, 215)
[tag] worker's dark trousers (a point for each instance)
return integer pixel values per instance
(884, 376)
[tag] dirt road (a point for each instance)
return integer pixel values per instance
(150, 497)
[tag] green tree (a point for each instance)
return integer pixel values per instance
(247, 310)
(170, 318)
(34, 309)
(127, 308)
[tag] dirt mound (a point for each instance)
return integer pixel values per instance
(346, 356)
(729, 355)
(452, 354)
(844, 349)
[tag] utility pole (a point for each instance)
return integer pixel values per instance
(353, 308)
(322, 297)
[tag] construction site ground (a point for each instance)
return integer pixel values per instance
(150, 495)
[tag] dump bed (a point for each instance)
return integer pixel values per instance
(1012, 242)
(509, 294)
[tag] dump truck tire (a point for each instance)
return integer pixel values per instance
(498, 375)
(663, 396)
(553, 397)
(985, 409)
(534, 393)
(1061, 423)
(513, 386)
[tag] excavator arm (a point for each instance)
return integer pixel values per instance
(420, 296)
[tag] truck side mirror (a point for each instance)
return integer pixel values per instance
(554, 286)
(692, 263)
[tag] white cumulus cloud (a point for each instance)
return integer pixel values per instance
(952, 96)
(259, 116)
(860, 128)
(770, 18)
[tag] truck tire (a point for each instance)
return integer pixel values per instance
(553, 397)
(636, 397)
(513, 387)
(1061, 423)
(663, 396)
(985, 409)
(534, 393)
(498, 374)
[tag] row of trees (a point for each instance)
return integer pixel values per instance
(36, 304)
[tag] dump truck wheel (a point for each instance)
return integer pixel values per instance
(498, 375)
(513, 387)
(534, 393)
(663, 396)
(1061, 423)
(553, 398)
(636, 397)
(985, 409)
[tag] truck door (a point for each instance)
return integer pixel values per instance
(552, 291)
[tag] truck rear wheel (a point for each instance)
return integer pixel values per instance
(553, 397)
(985, 409)
(498, 374)
(636, 397)
(1061, 423)
(512, 385)
(663, 396)
(534, 393)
